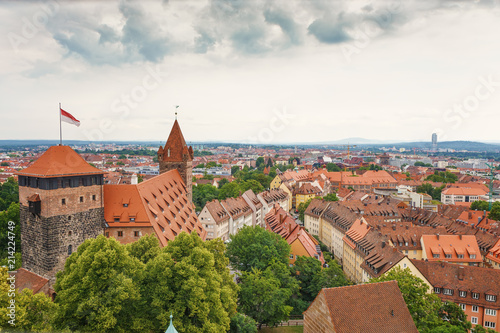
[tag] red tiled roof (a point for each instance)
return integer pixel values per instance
(26, 279)
(59, 161)
(175, 149)
(369, 308)
(451, 245)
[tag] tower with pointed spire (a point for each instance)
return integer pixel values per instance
(177, 155)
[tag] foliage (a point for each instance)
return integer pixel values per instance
(265, 293)
(332, 167)
(98, 289)
(33, 312)
(198, 153)
(11, 214)
(331, 197)
(302, 209)
(4, 164)
(481, 329)
(373, 167)
(242, 324)
(260, 161)
(9, 193)
(255, 247)
(434, 192)
(230, 190)
(222, 182)
(494, 214)
(235, 169)
(110, 287)
(422, 164)
(204, 193)
(428, 312)
(442, 177)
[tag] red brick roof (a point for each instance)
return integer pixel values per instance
(449, 247)
(161, 201)
(59, 161)
(26, 279)
(369, 308)
(177, 146)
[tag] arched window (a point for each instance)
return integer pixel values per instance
(70, 249)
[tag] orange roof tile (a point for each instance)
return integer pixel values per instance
(59, 161)
(451, 245)
(175, 149)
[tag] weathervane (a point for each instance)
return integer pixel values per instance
(176, 107)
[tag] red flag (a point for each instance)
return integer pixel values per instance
(68, 118)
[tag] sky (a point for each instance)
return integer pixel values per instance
(251, 71)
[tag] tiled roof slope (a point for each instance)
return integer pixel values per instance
(26, 279)
(369, 308)
(164, 201)
(217, 211)
(58, 161)
(462, 278)
(449, 247)
(177, 146)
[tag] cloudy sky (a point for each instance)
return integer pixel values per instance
(251, 71)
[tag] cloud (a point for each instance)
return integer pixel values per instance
(286, 23)
(329, 30)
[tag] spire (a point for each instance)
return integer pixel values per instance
(176, 146)
(171, 328)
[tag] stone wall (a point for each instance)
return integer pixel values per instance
(317, 317)
(128, 233)
(46, 240)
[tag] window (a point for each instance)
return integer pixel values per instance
(437, 290)
(489, 324)
(473, 320)
(107, 234)
(69, 218)
(447, 291)
(125, 205)
(120, 233)
(475, 308)
(291, 256)
(490, 312)
(93, 197)
(473, 256)
(81, 199)
(435, 255)
(69, 233)
(136, 233)
(491, 298)
(63, 201)
(462, 294)
(414, 251)
(463, 306)
(132, 219)
(70, 249)
(447, 256)
(475, 295)
(460, 256)
(116, 219)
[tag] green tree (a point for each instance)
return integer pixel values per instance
(264, 296)
(4, 164)
(260, 161)
(200, 166)
(442, 177)
(144, 249)
(255, 247)
(302, 209)
(223, 182)
(10, 229)
(122, 157)
(331, 197)
(453, 314)
(204, 193)
(235, 169)
(242, 324)
(481, 329)
(98, 289)
(190, 278)
(332, 167)
(230, 190)
(253, 185)
(211, 164)
(33, 312)
(479, 205)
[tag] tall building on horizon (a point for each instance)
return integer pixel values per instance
(434, 141)
(177, 155)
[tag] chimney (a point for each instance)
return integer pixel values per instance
(479, 218)
(437, 235)
(460, 237)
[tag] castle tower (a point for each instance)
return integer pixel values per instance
(61, 205)
(177, 155)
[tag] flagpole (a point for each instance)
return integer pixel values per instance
(60, 126)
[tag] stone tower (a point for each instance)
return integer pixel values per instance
(61, 204)
(177, 155)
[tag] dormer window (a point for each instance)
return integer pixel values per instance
(462, 293)
(447, 291)
(475, 295)
(125, 205)
(437, 290)
(491, 298)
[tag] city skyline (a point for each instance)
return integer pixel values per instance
(287, 72)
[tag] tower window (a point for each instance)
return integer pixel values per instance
(69, 233)
(107, 234)
(70, 249)
(120, 233)
(69, 217)
(63, 201)
(136, 233)
(81, 199)
(93, 197)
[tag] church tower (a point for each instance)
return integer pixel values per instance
(61, 205)
(177, 155)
